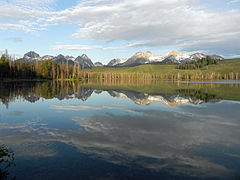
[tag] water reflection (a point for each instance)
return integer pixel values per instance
(94, 131)
(176, 95)
(6, 162)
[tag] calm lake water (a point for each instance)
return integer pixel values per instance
(120, 130)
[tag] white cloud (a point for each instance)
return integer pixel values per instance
(86, 108)
(15, 39)
(79, 47)
(74, 107)
(156, 23)
(24, 15)
(75, 47)
(14, 26)
(235, 1)
(159, 23)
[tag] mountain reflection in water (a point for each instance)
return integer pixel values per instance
(33, 91)
(73, 130)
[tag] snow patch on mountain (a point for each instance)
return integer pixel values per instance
(98, 64)
(84, 61)
(31, 56)
(115, 62)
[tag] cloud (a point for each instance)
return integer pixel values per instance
(78, 47)
(156, 23)
(74, 107)
(86, 108)
(75, 47)
(235, 1)
(24, 15)
(176, 23)
(14, 26)
(15, 39)
(174, 139)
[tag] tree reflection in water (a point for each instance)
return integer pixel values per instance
(139, 92)
(6, 161)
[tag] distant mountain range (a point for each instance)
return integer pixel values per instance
(173, 57)
(83, 60)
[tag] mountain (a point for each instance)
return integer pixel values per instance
(84, 93)
(70, 58)
(85, 61)
(62, 59)
(82, 60)
(176, 57)
(173, 57)
(197, 56)
(143, 98)
(138, 58)
(115, 62)
(216, 57)
(141, 58)
(170, 60)
(47, 57)
(31, 56)
(180, 58)
(98, 64)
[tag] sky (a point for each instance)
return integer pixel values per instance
(108, 29)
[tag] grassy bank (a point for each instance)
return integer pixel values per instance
(225, 70)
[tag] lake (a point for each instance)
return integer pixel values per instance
(120, 130)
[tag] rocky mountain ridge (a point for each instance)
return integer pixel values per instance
(173, 57)
(83, 60)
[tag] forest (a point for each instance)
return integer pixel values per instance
(21, 69)
(203, 69)
(198, 64)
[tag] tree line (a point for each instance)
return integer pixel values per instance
(32, 91)
(188, 76)
(47, 69)
(198, 64)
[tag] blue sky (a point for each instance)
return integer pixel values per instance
(107, 29)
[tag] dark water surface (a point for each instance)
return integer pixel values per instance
(116, 130)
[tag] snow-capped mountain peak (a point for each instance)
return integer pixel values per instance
(31, 56)
(84, 56)
(175, 53)
(98, 64)
(47, 57)
(138, 58)
(70, 58)
(173, 56)
(115, 62)
(84, 60)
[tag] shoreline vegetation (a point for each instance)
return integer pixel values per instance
(223, 70)
(204, 69)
